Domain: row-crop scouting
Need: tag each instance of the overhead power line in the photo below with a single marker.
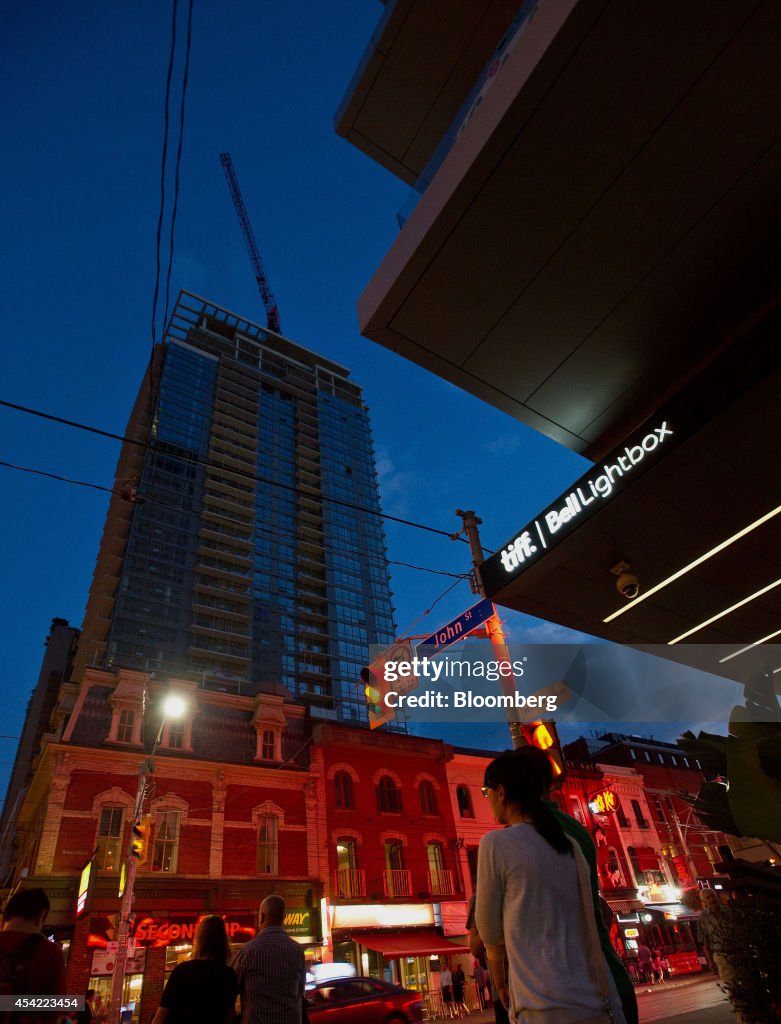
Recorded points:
(212, 465)
(156, 501)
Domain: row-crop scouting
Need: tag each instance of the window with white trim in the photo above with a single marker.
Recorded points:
(166, 841)
(268, 844)
(127, 719)
(267, 746)
(176, 731)
(109, 839)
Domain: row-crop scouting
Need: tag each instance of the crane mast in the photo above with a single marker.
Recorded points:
(272, 312)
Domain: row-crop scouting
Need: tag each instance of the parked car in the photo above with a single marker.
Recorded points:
(362, 1001)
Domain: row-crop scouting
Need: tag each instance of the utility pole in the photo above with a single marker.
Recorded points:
(173, 707)
(470, 523)
(126, 907)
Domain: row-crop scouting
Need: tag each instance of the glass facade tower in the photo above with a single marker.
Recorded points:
(243, 547)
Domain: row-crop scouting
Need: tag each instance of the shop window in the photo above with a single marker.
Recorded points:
(464, 800)
(577, 813)
(267, 746)
(428, 798)
(343, 791)
(125, 725)
(109, 839)
(268, 845)
(166, 841)
(388, 795)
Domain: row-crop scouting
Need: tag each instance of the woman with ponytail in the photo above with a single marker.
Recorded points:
(531, 908)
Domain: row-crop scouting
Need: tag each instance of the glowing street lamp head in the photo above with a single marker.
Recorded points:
(174, 706)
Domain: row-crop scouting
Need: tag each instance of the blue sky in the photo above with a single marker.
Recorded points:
(82, 128)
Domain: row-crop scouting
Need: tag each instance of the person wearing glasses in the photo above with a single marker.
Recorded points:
(531, 905)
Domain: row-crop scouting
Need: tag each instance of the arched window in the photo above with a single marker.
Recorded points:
(464, 801)
(394, 855)
(166, 846)
(388, 795)
(268, 844)
(349, 877)
(346, 854)
(428, 798)
(267, 745)
(639, 816)
(441, 880)
(343, 790)
(109, 839)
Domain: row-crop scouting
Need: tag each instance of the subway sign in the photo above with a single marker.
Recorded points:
(587, 495)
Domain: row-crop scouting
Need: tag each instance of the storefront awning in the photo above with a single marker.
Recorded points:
(677, 910)
(398, 942)
(626, 906)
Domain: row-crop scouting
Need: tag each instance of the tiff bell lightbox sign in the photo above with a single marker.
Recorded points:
(586, 496)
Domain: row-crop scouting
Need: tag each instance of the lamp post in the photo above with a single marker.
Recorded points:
(174, 707)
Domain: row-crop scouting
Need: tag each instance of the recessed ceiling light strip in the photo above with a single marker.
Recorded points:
(726, 611)
(743, 650)
(693, 565)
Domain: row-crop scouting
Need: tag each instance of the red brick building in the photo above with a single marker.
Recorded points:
(233, 814)
(395, 884)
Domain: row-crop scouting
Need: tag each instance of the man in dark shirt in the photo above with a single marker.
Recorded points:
(41, 965)
(270, 970)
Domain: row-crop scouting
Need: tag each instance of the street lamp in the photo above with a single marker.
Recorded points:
(174, 706)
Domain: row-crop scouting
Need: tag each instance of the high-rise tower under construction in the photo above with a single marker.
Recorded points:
(243, 546)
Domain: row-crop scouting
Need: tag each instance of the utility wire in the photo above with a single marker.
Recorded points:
(433, 604)
(184, 511)
(207, 464)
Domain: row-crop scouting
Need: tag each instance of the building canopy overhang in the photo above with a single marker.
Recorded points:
(607, 215)
(698, 521)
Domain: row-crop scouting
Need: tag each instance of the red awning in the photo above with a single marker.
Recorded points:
(647, 858)
(398, 942)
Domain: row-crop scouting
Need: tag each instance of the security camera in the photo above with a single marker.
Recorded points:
(627, 584)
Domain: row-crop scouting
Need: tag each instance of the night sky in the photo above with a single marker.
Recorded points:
(82, 127)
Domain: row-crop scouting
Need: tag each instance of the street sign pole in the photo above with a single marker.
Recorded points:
(493, 626)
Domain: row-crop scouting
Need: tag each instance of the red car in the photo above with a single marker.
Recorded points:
(362, 1001)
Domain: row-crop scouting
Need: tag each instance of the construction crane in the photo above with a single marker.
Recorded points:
(272, 312)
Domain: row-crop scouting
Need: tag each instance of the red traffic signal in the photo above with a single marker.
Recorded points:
(543, 735)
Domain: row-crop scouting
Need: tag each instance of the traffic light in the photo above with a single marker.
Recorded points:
(375, 688)
(140, 841)
(543, 735)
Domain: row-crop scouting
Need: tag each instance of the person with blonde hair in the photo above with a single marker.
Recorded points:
(203, 989)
